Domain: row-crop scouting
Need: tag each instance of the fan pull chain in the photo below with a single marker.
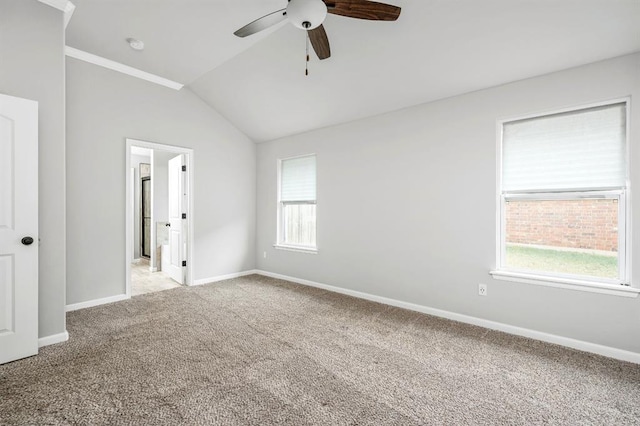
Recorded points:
(306, 68)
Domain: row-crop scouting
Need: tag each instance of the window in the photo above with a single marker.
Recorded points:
(297, 203)
(563, 191)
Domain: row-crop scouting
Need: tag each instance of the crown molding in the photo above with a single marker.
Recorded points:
(68, 13)
(117, 66)
(57, 4)
(63, 5)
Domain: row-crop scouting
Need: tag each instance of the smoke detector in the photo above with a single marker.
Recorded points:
(135, 44)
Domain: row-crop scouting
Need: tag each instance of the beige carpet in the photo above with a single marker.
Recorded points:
(258, 351)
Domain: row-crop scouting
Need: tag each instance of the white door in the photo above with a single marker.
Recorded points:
(177, 218)
(18, 228)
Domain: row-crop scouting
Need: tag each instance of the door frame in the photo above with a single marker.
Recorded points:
(189, 161)
(142, 205)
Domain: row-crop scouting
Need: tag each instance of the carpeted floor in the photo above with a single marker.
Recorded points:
(259, 351)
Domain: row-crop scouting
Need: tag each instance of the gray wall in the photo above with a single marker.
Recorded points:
(32, 67)
(161, 184)
(103, 109)
(407, 207)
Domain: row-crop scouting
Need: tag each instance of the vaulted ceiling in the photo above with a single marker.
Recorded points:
(436, 49)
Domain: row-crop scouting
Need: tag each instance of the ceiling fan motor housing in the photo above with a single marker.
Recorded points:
(306, 14)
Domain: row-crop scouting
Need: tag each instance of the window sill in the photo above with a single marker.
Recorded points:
(308, 250)
(565, 283)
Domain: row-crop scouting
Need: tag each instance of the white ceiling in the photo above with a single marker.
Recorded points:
(183, 38)
(437, 48)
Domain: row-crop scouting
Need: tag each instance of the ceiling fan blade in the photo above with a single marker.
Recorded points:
(363, 9)
(262, 23)
(320, 42)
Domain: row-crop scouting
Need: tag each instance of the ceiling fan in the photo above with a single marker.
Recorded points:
(310, 14)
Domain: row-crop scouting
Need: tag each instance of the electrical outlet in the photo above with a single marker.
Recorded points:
(482, 289)
(264, 254)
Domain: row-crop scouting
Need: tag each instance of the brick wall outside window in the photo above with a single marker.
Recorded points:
(585, 224)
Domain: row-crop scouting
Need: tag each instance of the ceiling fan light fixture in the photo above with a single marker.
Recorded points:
(306, 14)
(309, 15)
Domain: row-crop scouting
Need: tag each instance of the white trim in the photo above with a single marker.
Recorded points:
(68, 13)
(299, 249)
(129, 220)
(56, 4)
(189, 161)
(279, 218)
(628, 220)
(570, 108)
(53, 339)
(500, 204)
(202, 281)
(581, 345)
(63, 5)
(624, 268)
(96, 302)
(564, 195)
(566, 283)
(117, 66)
(153, 261)
(132, 218)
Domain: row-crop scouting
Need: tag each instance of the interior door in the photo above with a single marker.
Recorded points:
(177, 218)
(18, 228)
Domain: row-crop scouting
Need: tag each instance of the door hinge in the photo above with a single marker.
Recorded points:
(184, 168)
(184, 215)
(184, 263)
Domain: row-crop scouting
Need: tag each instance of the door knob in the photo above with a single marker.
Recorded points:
(27, 241)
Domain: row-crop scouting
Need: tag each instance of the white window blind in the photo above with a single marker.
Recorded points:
(298, 179)
(569, 151)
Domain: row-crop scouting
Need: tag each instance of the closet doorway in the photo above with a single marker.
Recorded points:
(159, 209)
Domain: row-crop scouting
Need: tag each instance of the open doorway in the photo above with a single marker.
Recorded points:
(144, 215)
(159, 243)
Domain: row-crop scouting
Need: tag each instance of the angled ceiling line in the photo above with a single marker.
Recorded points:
(64, 5)
(119, 67)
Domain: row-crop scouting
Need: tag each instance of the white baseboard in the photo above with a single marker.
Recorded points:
(53, 339)
(119, 297)
(153, 269)
(224, 277)
(581, 345)
(95, 302)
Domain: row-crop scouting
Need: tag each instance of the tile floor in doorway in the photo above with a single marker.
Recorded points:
(144, 281)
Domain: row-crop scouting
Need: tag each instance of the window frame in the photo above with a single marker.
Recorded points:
(614, 194)
(280, 226)
(619, 286)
